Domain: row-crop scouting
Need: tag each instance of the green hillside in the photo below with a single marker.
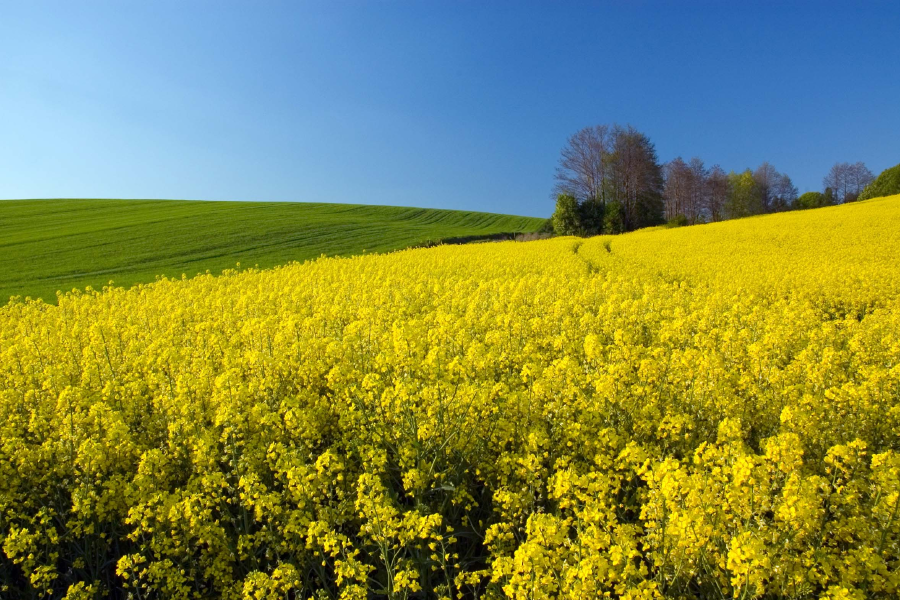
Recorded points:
(50, 245)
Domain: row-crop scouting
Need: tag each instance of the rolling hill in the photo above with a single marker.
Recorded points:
(585, 417)
(50, 245)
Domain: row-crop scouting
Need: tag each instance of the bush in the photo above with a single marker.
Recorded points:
(591, 214)
(566, 219)
(613, 219)
(887, 184)
(810, 200)
(677, 221)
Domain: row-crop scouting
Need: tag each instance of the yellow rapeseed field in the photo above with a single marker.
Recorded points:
(709, 412)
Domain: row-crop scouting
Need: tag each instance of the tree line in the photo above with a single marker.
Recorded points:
(609, 180)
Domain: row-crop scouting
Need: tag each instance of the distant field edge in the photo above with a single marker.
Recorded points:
(51, 244)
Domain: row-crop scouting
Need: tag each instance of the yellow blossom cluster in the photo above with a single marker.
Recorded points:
(705, 412)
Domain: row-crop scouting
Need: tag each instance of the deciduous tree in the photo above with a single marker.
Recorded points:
(766, 177)
(582, 170)
(784, 193)
(717, 189)
(675, 192)
(744, 197)
(685, 190)
(858, 177)
(848, 180)
(604, 164)
(637, 179)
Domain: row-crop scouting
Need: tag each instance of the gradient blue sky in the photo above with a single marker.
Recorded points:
(438, 104)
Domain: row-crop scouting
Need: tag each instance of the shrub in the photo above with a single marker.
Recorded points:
(810, 200)
(887, 184)
(613, 219)
(815, 199)
(677, 221)
(566, 220)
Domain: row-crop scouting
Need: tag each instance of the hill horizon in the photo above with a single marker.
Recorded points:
(71, 243)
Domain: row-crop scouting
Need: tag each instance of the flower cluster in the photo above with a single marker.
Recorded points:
(703, 412)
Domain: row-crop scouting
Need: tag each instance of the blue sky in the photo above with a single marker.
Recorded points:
(438, 104)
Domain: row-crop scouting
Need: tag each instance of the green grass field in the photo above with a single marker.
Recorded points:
(50, 245)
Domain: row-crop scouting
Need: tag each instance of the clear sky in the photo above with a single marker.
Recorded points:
(424, 103)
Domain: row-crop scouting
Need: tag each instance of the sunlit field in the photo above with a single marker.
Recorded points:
(709, 411)
(53, 245)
